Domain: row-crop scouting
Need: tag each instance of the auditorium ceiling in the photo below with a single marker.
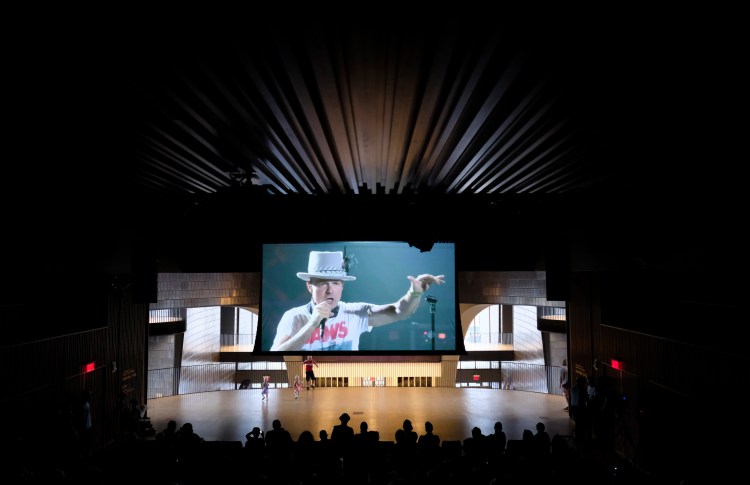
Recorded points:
(178, 109)
(356, 108)
(163, 114)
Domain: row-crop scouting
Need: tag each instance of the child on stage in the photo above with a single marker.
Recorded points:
(297, 387)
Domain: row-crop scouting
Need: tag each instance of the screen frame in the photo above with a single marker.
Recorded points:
(281, 289)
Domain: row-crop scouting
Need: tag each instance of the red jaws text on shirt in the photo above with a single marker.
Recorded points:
(332, 332)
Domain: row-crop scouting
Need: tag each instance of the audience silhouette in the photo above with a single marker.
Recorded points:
(475, 447)
(410, 435)
(579, 409)
(169, 435)
(542, 447)
(342, 436)
(496, 444)
(278, 447)
(255, 446)
(328, 463)
(182, 456)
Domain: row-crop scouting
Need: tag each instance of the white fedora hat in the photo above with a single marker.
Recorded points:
(327, 265)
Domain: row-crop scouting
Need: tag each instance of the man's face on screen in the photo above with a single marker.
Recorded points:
(326, 290)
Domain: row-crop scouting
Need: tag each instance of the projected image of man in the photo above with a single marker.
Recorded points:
(326, 323)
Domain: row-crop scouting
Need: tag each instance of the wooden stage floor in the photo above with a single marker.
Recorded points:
(229, 415)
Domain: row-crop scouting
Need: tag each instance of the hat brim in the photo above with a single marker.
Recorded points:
(307, 276)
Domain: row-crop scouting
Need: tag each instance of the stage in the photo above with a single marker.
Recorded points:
(229, 415)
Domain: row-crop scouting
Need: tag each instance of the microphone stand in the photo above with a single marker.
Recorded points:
(432, 301)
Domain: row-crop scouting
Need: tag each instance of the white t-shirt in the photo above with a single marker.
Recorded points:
(342, 330)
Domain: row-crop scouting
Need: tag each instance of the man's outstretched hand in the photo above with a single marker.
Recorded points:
(422, 283)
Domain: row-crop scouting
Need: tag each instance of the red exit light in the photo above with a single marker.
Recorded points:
(89, 367)
(617, 364)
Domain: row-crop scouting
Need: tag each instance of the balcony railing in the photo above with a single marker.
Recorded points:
(234, 376)
(241, 342)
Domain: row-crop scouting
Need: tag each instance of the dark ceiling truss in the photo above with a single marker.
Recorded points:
(355, 112)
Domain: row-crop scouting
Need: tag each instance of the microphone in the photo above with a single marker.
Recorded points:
(334, 312)
(432, 301)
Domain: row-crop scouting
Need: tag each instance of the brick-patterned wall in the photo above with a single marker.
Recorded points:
(191, 290)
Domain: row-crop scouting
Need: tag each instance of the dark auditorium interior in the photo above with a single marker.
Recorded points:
(598, 149)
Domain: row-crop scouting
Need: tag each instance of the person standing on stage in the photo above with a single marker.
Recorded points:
(309, 372)
(265, 386)
(565, 384)
(297, 387)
